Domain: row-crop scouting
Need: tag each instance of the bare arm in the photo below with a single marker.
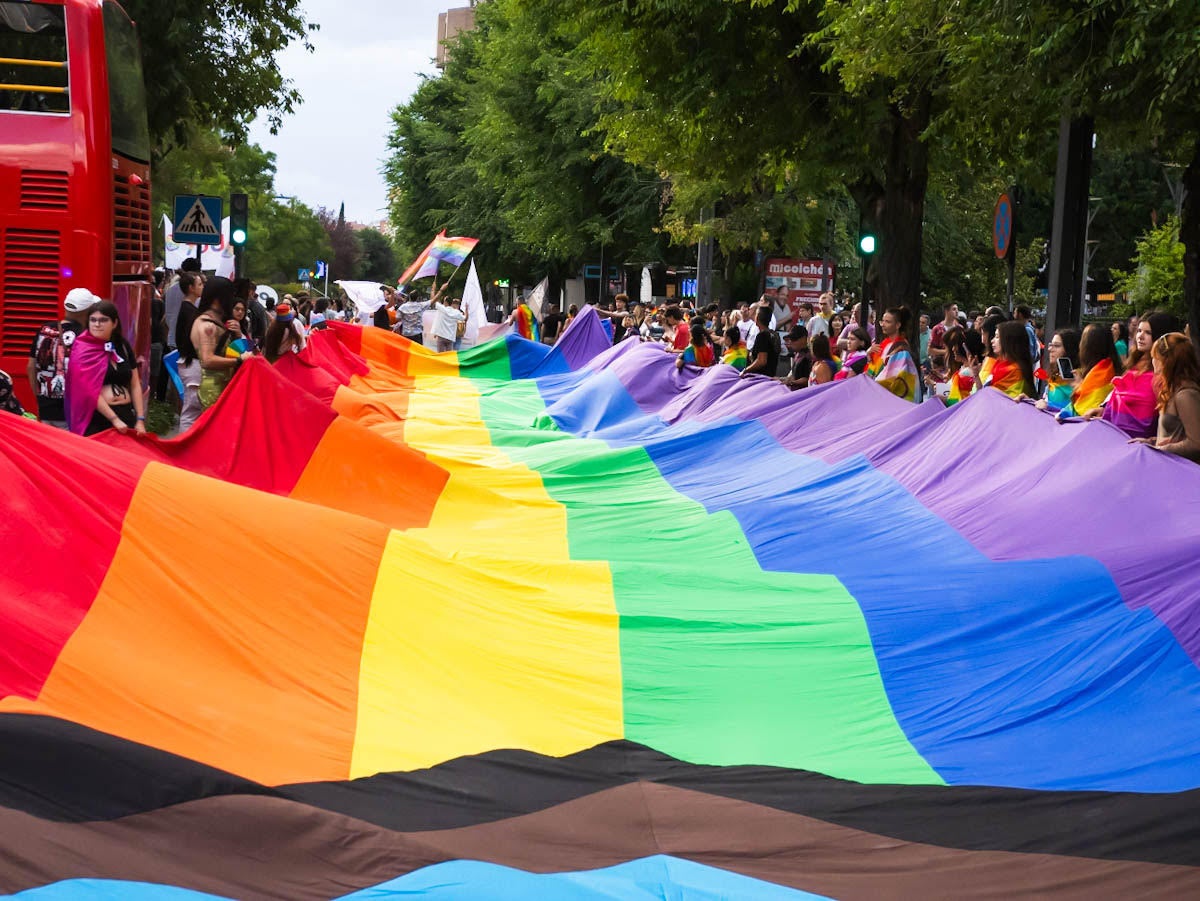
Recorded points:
(757, 365)
(31, 373)
(206, 349)
(1187, 408)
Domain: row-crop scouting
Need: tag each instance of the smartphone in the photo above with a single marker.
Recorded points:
(1066, 372)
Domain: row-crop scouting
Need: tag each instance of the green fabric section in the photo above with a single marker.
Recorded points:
(722, 663)
(486, 361)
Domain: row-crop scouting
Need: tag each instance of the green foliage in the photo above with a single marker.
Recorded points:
(216, 65)
(346, 259)
(378, 257)
(1156, 281)
(283, 237)
(503, 146)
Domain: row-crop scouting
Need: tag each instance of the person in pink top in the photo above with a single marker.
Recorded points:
(1133, 405)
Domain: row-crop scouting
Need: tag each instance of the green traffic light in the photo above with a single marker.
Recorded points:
(238, 236)
(866, 244)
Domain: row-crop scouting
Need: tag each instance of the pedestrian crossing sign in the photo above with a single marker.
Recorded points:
(197, 219)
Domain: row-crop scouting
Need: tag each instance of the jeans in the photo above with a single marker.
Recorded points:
(192, 407)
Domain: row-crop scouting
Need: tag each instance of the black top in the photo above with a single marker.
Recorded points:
(183, 332)
(381, 318)
(551, 325)
(802, 366)
(119, 375)
(158, 321)
(767, 342)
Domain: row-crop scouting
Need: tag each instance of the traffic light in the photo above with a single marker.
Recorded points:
(866, 243)
(239, 219)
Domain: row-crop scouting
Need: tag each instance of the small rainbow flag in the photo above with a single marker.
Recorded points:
(414, 271)
(452, 250)
(442, 249)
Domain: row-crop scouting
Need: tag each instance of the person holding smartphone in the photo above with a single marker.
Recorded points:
(1059, 375)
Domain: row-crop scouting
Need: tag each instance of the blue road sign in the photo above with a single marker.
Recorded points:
(197, 219)
(303, 275)
(321, 269)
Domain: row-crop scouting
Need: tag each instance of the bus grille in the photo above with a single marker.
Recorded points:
(43, 190)
(131, 223)
(30, 280)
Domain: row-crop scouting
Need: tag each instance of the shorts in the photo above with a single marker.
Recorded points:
(124, 412)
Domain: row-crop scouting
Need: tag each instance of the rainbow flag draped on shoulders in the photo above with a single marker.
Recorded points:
(738, 357)
(1058, 393)
(962, 386)
(527, 324)
(1092, 391)
(468, 681)
(894, 369)
(1004, 375)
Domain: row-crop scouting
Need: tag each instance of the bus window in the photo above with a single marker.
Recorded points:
(33, 58)
(126, 86)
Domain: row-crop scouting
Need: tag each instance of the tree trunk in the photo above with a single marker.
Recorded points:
(895, 212)
(901, 220)
(1189, 236)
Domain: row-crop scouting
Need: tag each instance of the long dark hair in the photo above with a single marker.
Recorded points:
(109, 309)
(1070, 342)
(1097, 344)
(821, 349)
(1014, 347)
(277, 331)
(989, 327)
(219, 293)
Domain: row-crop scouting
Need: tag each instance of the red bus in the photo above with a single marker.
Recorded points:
(74, 171)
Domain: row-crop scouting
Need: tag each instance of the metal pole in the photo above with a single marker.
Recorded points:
(826, 281)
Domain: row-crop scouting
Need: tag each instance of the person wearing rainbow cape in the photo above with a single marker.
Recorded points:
(1063, 346)
(526, 323)
(891, 363)
(1098, 366)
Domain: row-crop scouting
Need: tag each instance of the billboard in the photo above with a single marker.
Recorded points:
(802, 280)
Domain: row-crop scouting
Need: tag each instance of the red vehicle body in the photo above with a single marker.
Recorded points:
(74, 171)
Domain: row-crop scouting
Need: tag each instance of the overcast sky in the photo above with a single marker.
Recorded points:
(369, 57)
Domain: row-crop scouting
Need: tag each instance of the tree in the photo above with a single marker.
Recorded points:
(283, 237)
(1128, 64)
(503, 146)
(216, 65)
(378, 257)
(346, 261)
(1156, 281)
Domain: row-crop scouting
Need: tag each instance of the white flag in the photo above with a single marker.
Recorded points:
(221, 257)
(647, 292)
(472, 305)
(217, 258)
(537, 298)
(175, 253)
(367, 296)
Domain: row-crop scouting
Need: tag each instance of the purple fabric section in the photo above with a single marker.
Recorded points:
(583, 339)
(85, 380)
(1010, 479)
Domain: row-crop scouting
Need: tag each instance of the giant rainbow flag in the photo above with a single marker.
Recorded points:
(533, 623)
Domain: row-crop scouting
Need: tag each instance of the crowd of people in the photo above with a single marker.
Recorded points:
(1142, 376)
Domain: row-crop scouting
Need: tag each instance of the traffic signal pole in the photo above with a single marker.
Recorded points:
(239, 229)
